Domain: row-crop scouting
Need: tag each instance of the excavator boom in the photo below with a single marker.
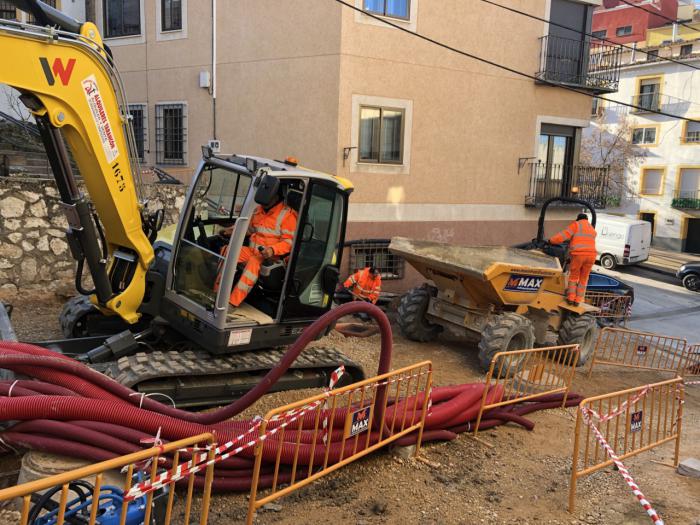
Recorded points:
(69, 84)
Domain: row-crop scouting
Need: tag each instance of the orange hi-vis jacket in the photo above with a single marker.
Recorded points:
(273, 228)
(581, 236)
(363, 284)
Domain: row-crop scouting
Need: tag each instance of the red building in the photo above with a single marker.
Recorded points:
(623, 23)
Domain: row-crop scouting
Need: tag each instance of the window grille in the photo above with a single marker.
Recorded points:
(171, 134)
(375, 252)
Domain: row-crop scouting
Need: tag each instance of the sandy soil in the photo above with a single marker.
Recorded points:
(523, 479)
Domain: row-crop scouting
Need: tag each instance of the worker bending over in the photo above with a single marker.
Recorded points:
(271, 232)
(365, 284)
(581, 236)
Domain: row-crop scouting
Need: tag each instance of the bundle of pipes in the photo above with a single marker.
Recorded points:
(70, 409)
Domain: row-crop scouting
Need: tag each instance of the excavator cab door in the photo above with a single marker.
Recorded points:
(314, 267)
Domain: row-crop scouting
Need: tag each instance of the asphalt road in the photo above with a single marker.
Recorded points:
(661, 303)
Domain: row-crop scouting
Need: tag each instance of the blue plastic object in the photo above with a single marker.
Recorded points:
(108, 513)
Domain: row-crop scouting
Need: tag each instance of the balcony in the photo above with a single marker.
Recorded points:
(558, 180)
(651, 102)
(583, 64)
(686, 200)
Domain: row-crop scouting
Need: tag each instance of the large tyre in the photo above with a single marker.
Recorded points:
(692, 282)
(411, 318)
(74, 314)
(505, 333)
(609, 262)
(579, 330)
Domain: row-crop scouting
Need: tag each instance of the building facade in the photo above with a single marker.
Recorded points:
(439, 146)
(664, 186)
(624, 24)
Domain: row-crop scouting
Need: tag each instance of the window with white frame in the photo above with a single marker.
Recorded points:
(644, 136)
(600, 34)
(171, 15)
(171, 133)
(139, 125)
(381, 135)
(689, 186)
(122, 18)
(692, 132)
(624, 31)
(392, 8)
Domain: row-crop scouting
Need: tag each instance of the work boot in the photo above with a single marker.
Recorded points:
(571, 302)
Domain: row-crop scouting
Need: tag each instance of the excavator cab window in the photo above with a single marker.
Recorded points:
(217, 201)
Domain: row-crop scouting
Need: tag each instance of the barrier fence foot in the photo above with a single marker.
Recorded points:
(482, 441)
(663, 463)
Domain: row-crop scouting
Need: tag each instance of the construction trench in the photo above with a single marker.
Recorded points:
(64, 407)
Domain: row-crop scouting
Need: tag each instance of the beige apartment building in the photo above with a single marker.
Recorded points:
(439, 146)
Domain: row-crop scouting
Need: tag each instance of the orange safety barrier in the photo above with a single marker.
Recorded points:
(529, 374)
(692, 363)
(614, 309)
(631, 421)
(89, 514)
(366, 427)
(633, 349)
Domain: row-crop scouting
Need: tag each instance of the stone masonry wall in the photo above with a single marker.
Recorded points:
(34, 254)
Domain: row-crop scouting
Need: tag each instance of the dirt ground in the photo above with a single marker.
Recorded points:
(523, 479)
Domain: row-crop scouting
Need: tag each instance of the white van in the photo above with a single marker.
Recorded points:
(621, 240)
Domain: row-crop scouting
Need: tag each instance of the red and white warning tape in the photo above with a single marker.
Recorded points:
(621, 467)
(199, 462)
(619, 410)
(335, 377)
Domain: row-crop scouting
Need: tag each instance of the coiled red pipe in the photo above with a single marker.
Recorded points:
(76, 411)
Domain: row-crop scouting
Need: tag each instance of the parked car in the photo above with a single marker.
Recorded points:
(689, 273)
(622, 241)
(598, 282)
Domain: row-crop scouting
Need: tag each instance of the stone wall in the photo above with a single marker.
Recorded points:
(34, 254)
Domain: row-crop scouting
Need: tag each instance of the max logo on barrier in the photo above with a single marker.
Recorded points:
(636, 421)
(358, 422)
(63, 72)
(523, 283)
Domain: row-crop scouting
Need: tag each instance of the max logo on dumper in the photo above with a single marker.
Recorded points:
(523, 283)
(57, 69)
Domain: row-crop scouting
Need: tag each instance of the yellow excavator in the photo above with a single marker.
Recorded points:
(190, 344)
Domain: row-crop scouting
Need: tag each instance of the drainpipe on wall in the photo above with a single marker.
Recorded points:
(675, 32)
(213, 65)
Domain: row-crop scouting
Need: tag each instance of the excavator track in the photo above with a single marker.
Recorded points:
(196, 378)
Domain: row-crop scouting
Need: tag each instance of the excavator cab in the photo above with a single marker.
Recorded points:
(291, 291)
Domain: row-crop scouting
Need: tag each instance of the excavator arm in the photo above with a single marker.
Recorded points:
(67, 80)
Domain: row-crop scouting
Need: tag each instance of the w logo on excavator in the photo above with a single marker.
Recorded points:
(57, 70)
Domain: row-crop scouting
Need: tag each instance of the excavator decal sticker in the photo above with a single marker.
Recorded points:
(57, 70)
(99, 115)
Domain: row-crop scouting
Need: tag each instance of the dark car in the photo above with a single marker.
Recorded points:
(689, 273)
(598, 282)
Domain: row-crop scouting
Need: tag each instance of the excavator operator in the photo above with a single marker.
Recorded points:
(582, 252)
(271, 234)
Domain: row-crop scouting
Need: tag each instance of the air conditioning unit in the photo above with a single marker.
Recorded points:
(215, 146)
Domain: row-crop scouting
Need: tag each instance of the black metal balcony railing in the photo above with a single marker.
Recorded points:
(686, 200)
(650, 102)
(559, 180)
(580, 63)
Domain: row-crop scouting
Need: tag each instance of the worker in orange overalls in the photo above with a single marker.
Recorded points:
(365, 284)
(581, 236)
(271, 232)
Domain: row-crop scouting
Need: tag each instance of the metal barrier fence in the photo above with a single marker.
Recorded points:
(632, 349)
(351, 421)
(529, 374)
(110, 500)
(630, 422)
(692, 363)
(615, 309)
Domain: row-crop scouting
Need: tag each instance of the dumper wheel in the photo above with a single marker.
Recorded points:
(505, 333)
(411, 318)
(579, 330)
